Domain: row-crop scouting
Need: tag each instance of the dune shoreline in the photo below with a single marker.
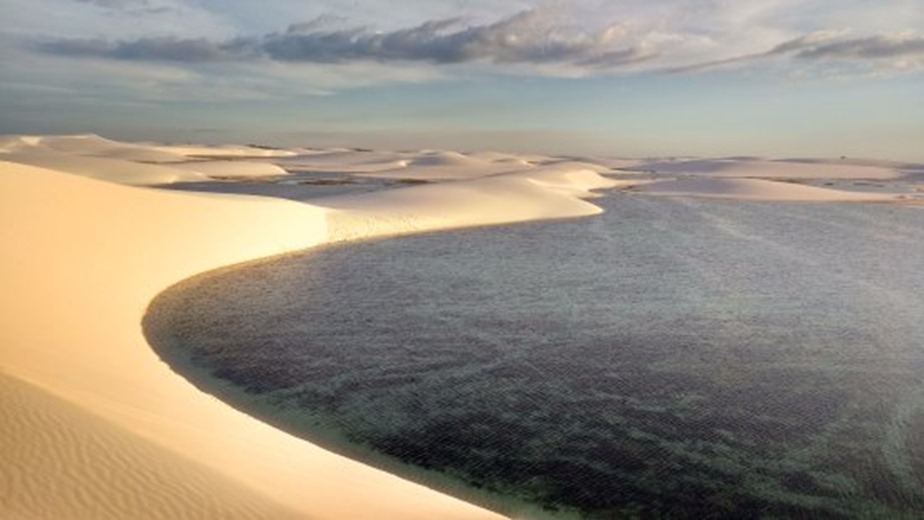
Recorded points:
(87, 247)
(89, 257)
(158, 330)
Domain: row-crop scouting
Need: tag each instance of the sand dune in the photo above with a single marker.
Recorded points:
(443, 173)
(221, 151)
(542, 193)
(61, 461)
(501, 157)
(87, 144)
(233, 169)
(83, 257)
(857, 161)
(768, 169)
(578, 165)
(423, 165)
(81, 260)
(756, 189)
(444, 165)
(345, 160)
(99, 158)
(111, 169)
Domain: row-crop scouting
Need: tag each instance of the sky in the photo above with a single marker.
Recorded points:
(777, 78)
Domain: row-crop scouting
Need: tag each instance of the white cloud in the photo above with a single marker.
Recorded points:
(24, 19)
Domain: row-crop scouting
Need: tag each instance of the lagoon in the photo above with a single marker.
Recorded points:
(671, 357)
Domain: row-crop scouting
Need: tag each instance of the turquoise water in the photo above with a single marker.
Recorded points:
(669, 358)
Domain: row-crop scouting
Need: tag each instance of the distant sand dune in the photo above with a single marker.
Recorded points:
(757, 189)
(541, 193)
(232, 169)
(112, 169)
(768, 169)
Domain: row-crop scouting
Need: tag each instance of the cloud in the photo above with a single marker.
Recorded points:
(801, 43)
(149, 49)
(315, 24)
(904, 50)
(116, 4)
(538, 40)
(870, 48)
(529, 37)
(138, 8)
(109, 4)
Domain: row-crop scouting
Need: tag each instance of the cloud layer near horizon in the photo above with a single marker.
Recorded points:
(528, 37)
(531, 37)
(757, 75)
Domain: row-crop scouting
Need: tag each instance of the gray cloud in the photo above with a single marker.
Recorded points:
(315, 24)
(149, 49)
(530, 37)
(133, 7)
(533, 37)
(115, 4)
(826, 45)
(870, 48)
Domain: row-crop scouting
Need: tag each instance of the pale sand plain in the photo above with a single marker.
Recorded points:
(94, 425)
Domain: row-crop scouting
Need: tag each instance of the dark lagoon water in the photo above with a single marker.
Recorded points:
(671, 358)
(296, 185)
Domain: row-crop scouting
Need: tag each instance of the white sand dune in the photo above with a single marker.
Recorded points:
(81, 260)
(542, 193)
(88, 145)
(532, 158)
(84, 144)
(99, 158)
(578, 165)
(221, 151)
(443, 166)
(13, 143)
(447, 158)
(615, 163)
(768, 169)
(856, 161)
(62, 461)
(756, 189)
(106, 168)
(501, 157)
(345, 162)
(423, 165)
(233, 169)
(83, 257)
